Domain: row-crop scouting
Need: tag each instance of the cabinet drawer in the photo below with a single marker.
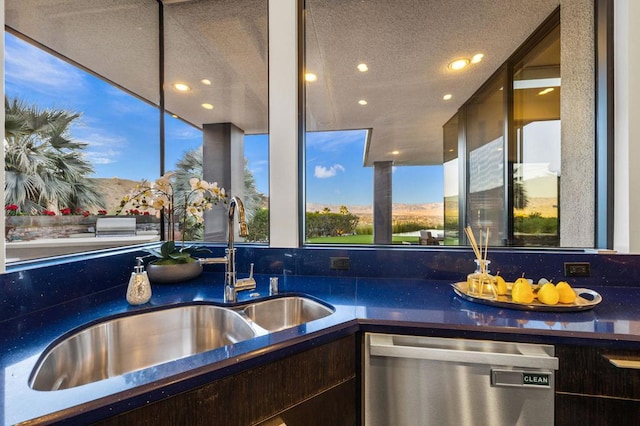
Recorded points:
(590, 371)
(574, 410)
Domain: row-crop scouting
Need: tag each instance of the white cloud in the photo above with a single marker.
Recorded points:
(186, 133)
(258, 166)
(96, 137)
(99, 158)
(29, 65)
(322, 172)
(333, 141)
(102, 148)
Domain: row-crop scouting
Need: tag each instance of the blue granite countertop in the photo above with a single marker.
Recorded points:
(371, 304)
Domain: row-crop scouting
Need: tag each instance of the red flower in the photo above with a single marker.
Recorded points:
(66, 211)
(11, 210)
(102, 212)
(85, 213)
(48, 212)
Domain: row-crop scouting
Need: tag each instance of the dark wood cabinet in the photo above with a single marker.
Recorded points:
(332, 407)
(316, 386)
(591, 390)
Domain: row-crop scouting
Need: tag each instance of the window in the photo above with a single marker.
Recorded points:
(449, 146)
(339, 189)
(54, 199)
(101, 60)
(537, 144)
(375, 69)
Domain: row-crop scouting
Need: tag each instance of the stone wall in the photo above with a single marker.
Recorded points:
(26, 228)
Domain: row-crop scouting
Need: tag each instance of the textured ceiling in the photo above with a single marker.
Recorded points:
(406, 44)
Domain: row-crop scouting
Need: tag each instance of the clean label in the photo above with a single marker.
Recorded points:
(535, 379)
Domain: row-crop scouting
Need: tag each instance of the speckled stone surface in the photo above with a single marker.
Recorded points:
(385, 290)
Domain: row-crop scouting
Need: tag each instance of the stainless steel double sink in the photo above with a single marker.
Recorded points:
(128, 343)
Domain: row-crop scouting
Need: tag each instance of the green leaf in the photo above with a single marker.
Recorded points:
(167, 248)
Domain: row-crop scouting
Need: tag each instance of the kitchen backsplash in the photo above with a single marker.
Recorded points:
(37, 285)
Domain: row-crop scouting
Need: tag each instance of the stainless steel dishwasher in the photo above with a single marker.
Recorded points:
(411, 380)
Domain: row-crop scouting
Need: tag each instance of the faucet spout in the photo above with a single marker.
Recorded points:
(234, 203)
(232, 284)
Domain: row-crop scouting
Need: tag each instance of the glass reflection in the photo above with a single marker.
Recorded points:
(536, 158)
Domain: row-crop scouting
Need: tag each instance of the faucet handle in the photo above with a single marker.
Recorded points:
(246, 283)
(251, 270)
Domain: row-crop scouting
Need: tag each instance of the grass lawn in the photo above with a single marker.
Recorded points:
(359, 239)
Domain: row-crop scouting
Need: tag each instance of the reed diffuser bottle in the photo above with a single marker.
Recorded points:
(481, 282)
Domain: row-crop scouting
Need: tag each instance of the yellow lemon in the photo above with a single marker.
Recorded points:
(522, 292)
(548, 294)
(501, 285)
(567, 294)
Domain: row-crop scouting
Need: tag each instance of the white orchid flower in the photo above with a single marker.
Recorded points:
(194, 182)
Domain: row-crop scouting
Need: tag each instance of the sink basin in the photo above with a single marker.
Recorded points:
(125, 344)
(284, 312)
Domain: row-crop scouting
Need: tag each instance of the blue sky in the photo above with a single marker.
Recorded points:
(335, 174)
(122, 133)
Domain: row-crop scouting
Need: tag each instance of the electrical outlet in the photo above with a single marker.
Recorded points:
(339, 263)
(577, 269)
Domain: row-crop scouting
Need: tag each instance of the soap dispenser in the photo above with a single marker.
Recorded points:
(139, 290)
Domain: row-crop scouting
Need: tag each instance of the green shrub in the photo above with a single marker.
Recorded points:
(258, 226)
(330, 224)
(364, 230)
(535, 223)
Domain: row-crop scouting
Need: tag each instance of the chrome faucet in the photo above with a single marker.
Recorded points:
(231, 282)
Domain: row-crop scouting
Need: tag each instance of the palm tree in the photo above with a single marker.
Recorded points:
(190, 165)
(44, 168)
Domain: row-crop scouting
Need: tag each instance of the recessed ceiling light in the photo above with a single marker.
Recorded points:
(447, 96)
(545, 91)
(477, 58)
(207, 106)
(206, 82)
(458, 64)
(395, 152)
(363, 67)
(362, 102)
(310, 77)
(181, 87)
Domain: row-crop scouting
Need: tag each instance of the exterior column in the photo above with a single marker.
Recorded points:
(223, 162)
(577, 112)
(382, 202)
(286, 208)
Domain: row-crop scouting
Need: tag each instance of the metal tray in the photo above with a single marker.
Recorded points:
(580, 304)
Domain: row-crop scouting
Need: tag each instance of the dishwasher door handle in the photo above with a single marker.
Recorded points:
(383, 345)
